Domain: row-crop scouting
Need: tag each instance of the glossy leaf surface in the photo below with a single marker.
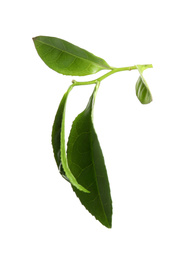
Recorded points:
(58, 142)
(66, 58)
(142, 90)
(86, 163)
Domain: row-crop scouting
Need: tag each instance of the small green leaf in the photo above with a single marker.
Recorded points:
(142, 90)
(58, 143)
(86, 162)
(66, 58)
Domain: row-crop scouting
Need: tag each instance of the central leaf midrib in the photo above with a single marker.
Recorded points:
(101, 66)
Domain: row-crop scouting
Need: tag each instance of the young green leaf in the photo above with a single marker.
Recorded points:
(58, 142)
(66, 58)
(86, 162)
(142, 90)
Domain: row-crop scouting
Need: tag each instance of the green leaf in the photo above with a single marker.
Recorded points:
(142, 90)
(66, 58)
(58, 143)
(56, 133)
(86, 162)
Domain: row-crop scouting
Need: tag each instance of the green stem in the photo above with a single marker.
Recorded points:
(115, 70)
(64, 159)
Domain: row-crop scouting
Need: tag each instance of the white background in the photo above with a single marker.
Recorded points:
(146, 148)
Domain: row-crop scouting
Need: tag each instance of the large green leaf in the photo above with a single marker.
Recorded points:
(58, 143)
(142, 90)
(86, 162)
(66, 58)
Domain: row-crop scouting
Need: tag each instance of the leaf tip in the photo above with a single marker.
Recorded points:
(109, 226)
(34, 38)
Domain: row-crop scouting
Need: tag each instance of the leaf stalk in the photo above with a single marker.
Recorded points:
(113, 71)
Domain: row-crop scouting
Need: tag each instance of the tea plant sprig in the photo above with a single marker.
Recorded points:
(82, 164)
